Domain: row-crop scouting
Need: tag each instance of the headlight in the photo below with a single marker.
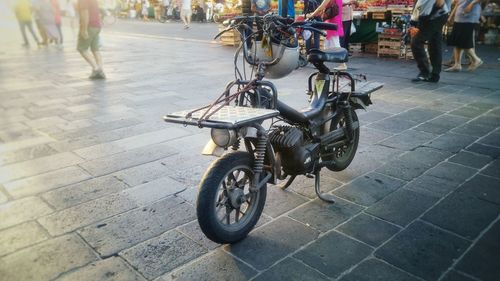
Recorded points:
(223, 137)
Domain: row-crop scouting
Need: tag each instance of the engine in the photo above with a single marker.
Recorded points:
(297, 154)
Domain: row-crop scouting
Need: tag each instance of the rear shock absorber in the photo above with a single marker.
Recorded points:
(346, 108)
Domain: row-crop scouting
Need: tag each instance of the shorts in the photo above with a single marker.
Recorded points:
(92, 41)
(462, 35)
(186, 13)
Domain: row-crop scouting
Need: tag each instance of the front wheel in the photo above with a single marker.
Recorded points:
(227, 211)
(342, 154)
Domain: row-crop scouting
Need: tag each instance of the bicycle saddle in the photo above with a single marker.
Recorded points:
(338, 55)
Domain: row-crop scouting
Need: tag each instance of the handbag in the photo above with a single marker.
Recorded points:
(331, 11)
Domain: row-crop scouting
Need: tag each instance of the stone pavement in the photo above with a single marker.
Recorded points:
(94, 186)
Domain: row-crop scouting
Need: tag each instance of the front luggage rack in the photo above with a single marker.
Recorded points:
(220, 114)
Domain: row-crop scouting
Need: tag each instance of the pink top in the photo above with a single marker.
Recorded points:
(337, 20)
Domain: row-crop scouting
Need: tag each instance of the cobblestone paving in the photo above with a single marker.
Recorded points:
(94, 186)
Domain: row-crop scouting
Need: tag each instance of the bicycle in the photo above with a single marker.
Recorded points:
(279, 141)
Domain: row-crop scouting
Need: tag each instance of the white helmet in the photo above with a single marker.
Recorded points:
(288, 61)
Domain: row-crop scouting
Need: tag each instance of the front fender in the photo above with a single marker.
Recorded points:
(213, 149)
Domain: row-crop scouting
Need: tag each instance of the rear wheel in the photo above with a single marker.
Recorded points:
(342, 154)
(227, 211)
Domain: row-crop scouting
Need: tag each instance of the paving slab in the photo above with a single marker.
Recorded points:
(377, 270)
(402, 206)
(217, 265)
(112, 235)
(47, 260)
(481, 261)
(161, 254)
(442, 124)
(78, 216)
(291, 269)
(369, 189)
(266, 245)
(469, 209)
(116, 162)
(470, 159)
(423, 250)
(408, 140)
(491, 151)
(46, 182)
(111, 269)
(493, 169)
(25, 154)
(333, 254)
(378, 232)
(21, 236)
(22, 210)
(37, 166)
(454, 275)
(280, 201)
(84, 191)
(325, 216)
(155, 190)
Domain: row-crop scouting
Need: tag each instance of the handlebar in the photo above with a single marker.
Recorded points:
(274, 26)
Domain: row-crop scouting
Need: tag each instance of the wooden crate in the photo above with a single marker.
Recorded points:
(371, 48)
(355, 48)
(230, 38)
(389, 44)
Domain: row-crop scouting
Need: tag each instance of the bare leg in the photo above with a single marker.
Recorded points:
(98, 59)
(183, 18)
(22, 26)
(476, 61)
(86, 55)
(457, 60)
(30, 28)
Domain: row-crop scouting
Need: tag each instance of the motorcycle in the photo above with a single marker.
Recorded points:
(279, 142)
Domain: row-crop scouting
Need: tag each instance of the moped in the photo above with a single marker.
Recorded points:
(279, 142)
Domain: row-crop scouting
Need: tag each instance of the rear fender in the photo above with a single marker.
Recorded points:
(360, 101)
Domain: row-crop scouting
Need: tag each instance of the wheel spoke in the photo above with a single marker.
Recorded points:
(237, 215)
(243, 181)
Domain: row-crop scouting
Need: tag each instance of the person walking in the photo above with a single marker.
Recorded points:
(465, 17)
(57, 20)
(346, 23)
(22, 9)
(47, 19)
(332, 36)
(90, 28)
(427, 22)
(313, 41)
(186, 13)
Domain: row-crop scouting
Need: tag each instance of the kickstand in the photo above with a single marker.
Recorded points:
(287, 183)
(323, 196)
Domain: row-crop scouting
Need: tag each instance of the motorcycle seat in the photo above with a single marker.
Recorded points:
(338, 55)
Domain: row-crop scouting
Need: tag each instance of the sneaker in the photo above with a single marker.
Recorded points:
(97, 74)
(455, 68)
(473, 66)
(433, 78)
(420, 78)
(93, 75)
